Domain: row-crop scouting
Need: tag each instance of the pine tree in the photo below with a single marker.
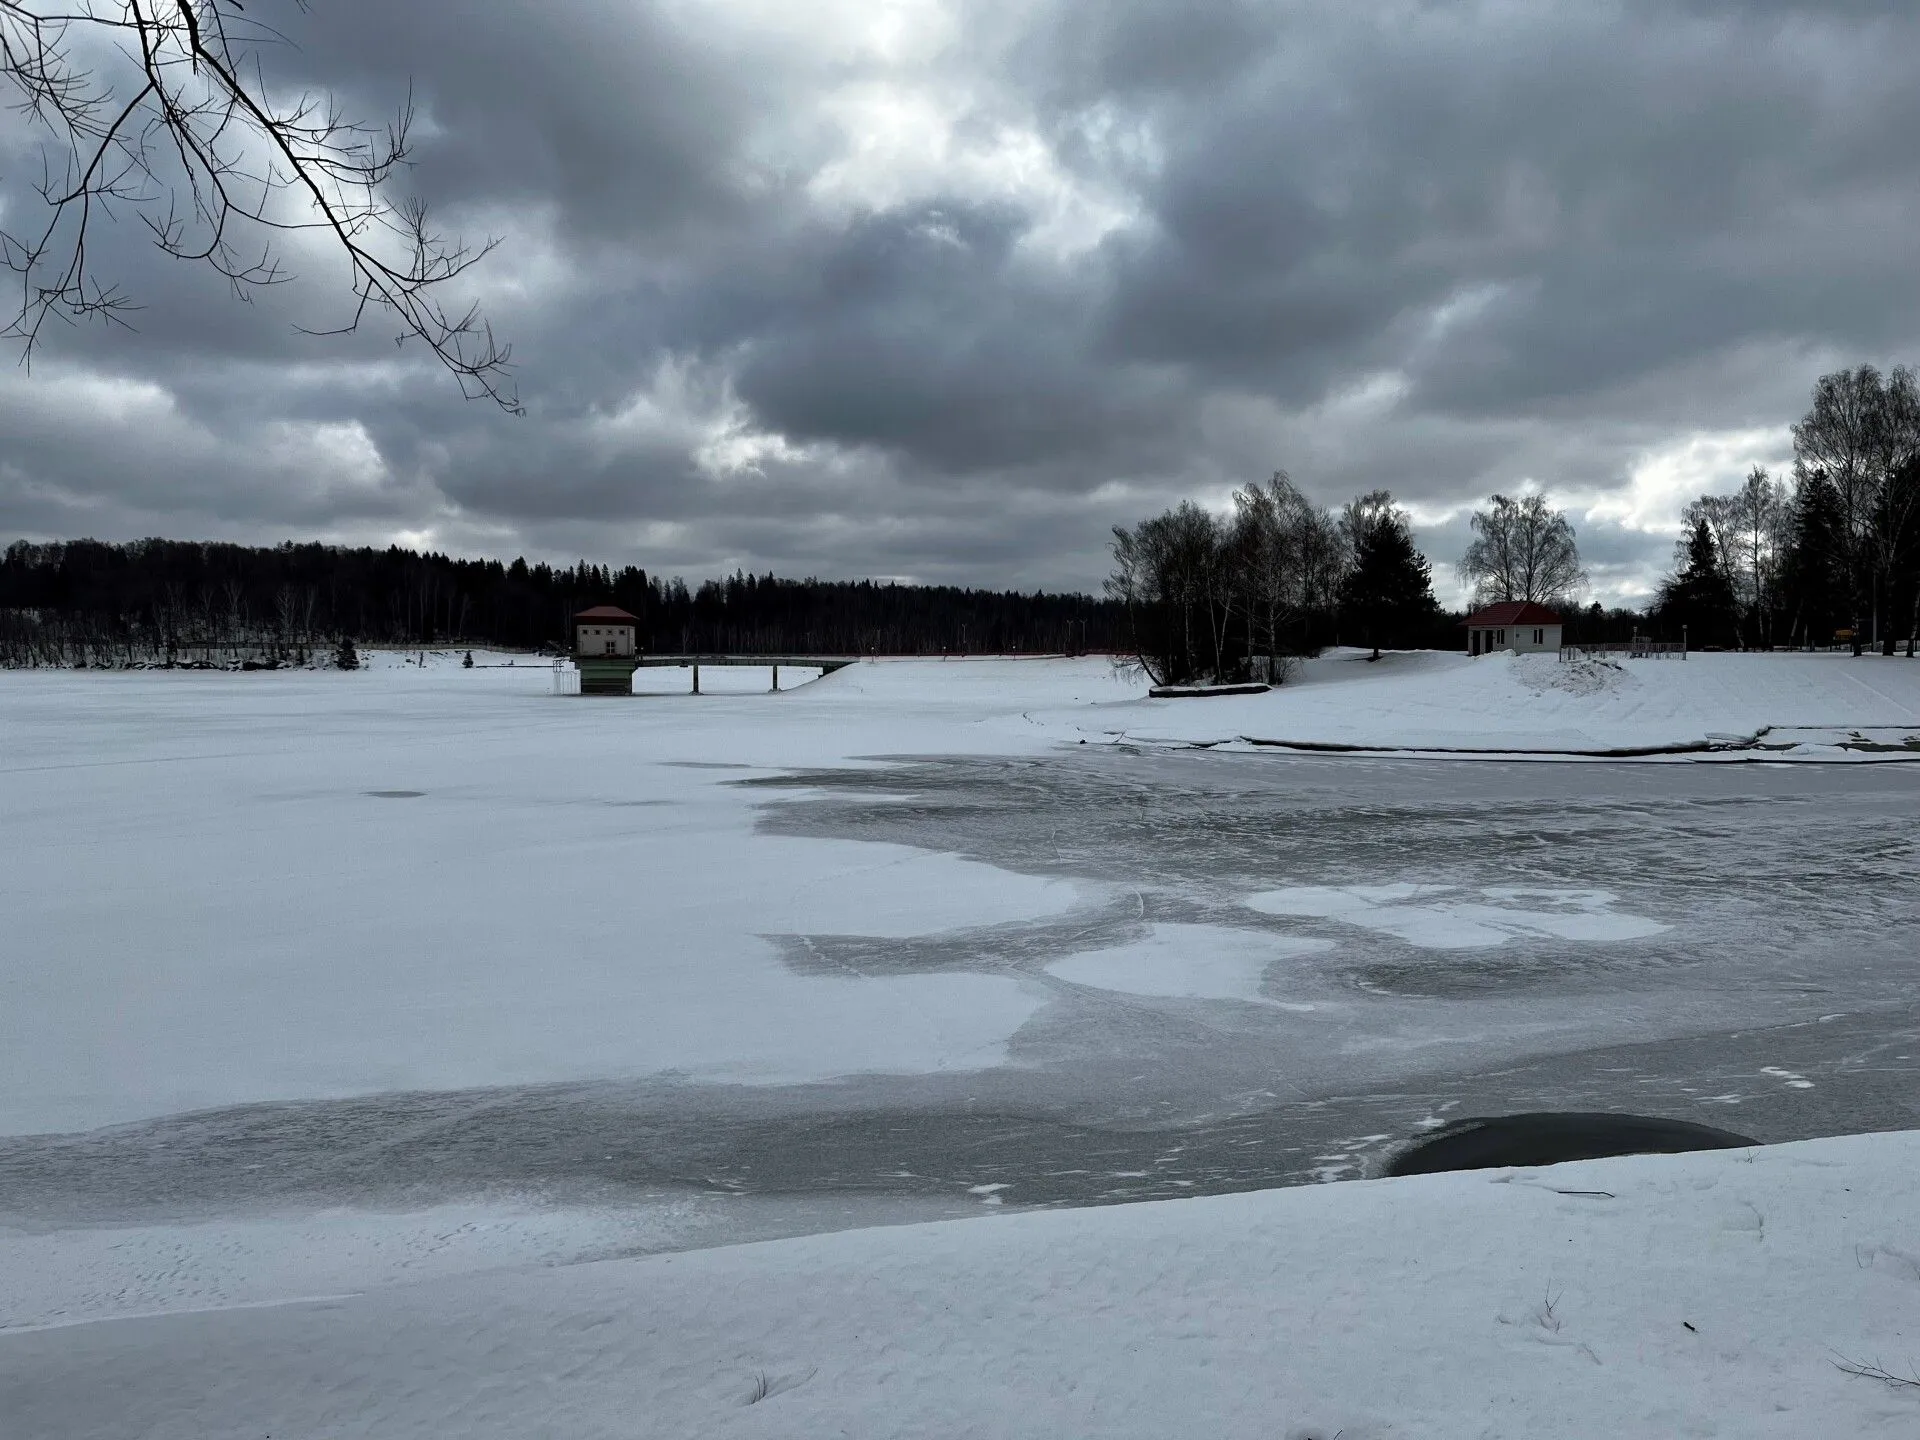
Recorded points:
(1389, 590)
(345, 657)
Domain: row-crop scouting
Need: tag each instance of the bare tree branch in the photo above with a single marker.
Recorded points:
(162, 108)
(1877, 1371)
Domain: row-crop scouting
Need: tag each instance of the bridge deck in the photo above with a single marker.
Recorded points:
(824, 663)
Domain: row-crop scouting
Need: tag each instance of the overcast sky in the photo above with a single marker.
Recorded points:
(943, 289)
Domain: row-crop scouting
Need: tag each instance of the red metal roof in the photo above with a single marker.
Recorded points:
(608, 614)
(1512, 612)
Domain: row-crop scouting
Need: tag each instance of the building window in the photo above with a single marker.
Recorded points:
(609, 647)
(1539, 637)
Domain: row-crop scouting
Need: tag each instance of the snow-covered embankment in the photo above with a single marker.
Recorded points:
(1714, 1294)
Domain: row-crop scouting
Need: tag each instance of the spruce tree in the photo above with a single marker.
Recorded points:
(1813, 578)
(1698, 597)
(1389, 590)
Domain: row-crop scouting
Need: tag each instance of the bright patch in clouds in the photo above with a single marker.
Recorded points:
(903, 144)
(337, 456)
(1664, 481)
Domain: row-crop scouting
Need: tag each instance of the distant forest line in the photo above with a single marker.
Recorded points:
(161, 602)
(193, 603)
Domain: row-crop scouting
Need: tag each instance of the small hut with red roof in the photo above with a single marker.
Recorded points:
(605, 650)
(1517, 625)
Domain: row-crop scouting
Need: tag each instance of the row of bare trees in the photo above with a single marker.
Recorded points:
(1222, 598)
(214, 627)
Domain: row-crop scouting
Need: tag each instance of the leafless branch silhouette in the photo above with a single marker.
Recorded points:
(161, 109)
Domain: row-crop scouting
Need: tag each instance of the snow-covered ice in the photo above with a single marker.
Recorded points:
(222, 891)
(1189, 962)
(1440, 917)
(427, 988)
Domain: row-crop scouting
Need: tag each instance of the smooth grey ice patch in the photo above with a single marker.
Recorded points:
(1190, 962)
(1451, 917)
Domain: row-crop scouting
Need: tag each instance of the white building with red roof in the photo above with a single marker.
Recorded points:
(605, 650)
(1517, 625)
(604, 630)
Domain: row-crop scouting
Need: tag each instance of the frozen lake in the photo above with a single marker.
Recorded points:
(445, 939)
(316, 982)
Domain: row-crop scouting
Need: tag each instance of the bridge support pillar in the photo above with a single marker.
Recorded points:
(776, 679)
(696, 677)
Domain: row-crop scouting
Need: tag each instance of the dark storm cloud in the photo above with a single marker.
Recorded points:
(920, 333)
(946, 291)
(1628, 195)
(631, 123)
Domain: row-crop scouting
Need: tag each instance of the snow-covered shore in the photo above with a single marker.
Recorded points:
(1800, 705)
(1700, 1295)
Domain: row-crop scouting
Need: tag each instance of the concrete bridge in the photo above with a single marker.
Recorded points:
(825, 664)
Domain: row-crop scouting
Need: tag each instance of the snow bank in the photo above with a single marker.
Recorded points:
(393, 657)
(1432, 701)
(1692, 1295)
(68, 1276)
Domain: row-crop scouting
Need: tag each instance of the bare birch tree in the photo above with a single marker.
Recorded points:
(1162, 574)
(1896, 502)
(1751, 550)
(1269, 550)
(1522, 551)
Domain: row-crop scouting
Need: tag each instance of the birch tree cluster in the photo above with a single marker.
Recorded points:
(1221, 598)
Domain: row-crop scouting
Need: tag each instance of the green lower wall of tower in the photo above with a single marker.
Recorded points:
(608, 676)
